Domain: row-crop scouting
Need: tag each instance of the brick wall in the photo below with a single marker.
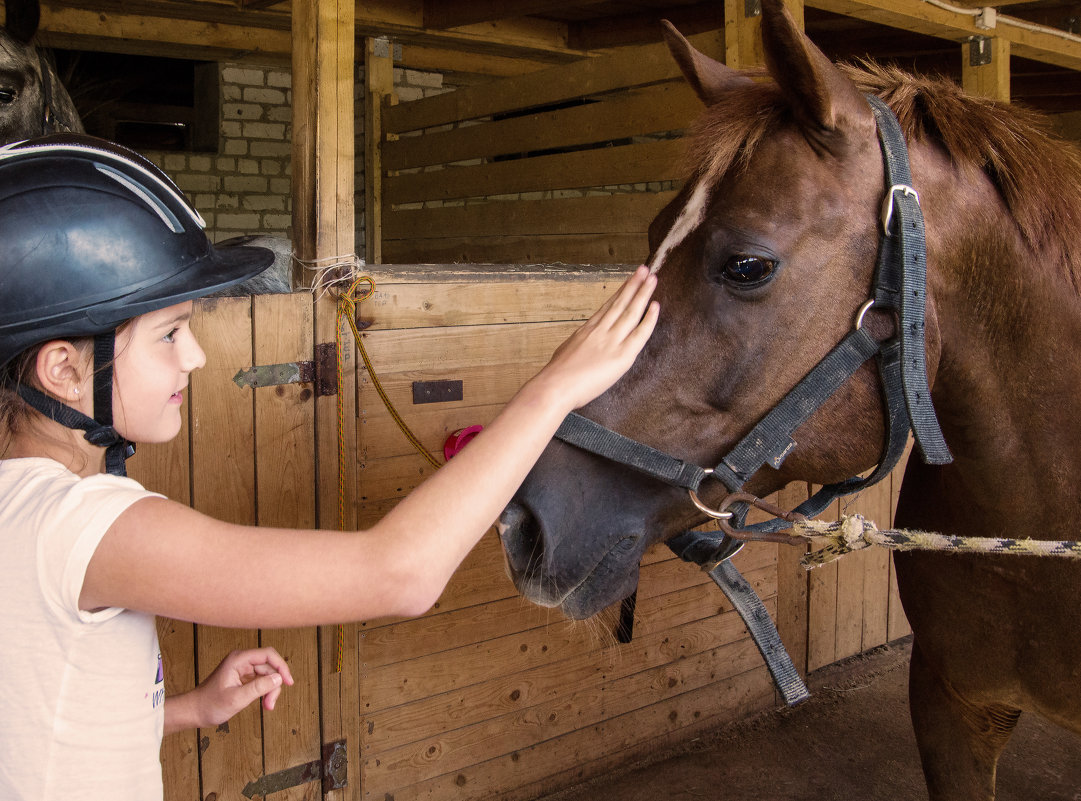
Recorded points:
(245, 187)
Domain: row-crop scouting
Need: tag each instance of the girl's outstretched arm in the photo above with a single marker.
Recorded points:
(165, 558)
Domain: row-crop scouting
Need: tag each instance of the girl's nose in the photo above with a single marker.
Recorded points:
(194, 357)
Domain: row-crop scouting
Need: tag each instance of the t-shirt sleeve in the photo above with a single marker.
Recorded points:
(75, 519)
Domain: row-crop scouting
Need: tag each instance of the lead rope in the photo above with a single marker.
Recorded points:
(854, 532)
(347, 309)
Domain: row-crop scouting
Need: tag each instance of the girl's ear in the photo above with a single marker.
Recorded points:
(64, 371)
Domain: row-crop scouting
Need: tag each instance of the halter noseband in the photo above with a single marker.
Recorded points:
(900, 286)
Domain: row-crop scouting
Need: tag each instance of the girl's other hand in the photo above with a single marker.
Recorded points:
(241, 678)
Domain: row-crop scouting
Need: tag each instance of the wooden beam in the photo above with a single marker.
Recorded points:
(985, 68)
(635, 29)
(378, 93)
(1051, 47)
(323, 58)
(445, 14)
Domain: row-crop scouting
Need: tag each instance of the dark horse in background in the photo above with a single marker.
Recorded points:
(764, 259)
(32, 99)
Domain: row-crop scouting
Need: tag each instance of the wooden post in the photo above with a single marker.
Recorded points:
(743, 31)
(985, 67)
(324, 234)
(378, 89)
(323, 131)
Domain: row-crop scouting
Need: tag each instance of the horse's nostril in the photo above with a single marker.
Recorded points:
(520, 533)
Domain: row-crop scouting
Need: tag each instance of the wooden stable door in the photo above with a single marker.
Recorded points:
(248, 454)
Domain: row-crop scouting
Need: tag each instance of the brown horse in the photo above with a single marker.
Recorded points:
(764, 260)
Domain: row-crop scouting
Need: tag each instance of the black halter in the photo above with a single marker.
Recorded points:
(899, 286)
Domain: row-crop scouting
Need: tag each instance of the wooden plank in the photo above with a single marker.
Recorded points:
(792, 591)
(738, 697)
(897, 623)
(580, 709)
(378, 94)
(451, 629)
(751, 690)
(435, 674)
(635, 66)
(458, 303)
(455, 13)
(285, 491)
(547, 681)
(670, 106)
(990, 79)
(624, 213)
(583, 249)
(626, 164)
(464, 346)
(875, 503)
(223, 485)
(822, 608)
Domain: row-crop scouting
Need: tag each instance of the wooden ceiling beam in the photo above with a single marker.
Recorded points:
(445, 14)
(957, 26)
(221, 31)
(644, 28)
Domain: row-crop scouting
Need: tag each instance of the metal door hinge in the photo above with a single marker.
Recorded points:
(321, 371)
(331, 770)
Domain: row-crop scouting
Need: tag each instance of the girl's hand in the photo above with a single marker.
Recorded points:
(242, 677)
(603, 349)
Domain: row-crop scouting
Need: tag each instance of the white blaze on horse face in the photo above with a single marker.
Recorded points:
(689, 218)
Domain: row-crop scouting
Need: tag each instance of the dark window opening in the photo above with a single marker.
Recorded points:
(145, 102)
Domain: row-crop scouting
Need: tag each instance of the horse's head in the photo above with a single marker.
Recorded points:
(32, 99)
(764, 259)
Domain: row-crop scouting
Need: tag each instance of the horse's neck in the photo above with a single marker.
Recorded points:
(1006, 384)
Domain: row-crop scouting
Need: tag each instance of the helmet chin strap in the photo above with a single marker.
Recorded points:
(99, 429)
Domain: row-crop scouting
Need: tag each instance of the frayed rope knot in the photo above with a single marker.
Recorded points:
(854, 532)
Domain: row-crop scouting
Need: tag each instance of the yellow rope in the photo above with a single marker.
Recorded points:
(347, 310)
(853, 532)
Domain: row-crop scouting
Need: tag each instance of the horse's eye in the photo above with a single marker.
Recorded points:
(7, 96)
(746, 271)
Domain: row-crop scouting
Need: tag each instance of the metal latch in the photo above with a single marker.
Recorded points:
(321, 371)
(331, 770)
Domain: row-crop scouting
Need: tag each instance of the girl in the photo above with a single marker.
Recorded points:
(102, 259)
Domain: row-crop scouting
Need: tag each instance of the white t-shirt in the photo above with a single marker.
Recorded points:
(81, 693)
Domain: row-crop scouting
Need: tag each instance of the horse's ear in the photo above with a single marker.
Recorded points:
(21, 19)
(710, 79)
(820, 94)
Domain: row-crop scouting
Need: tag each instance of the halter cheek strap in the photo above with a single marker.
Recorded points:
(99, 429)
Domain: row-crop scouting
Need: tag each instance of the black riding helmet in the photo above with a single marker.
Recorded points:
(93, 235)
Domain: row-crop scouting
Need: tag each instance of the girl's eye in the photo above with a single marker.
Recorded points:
(746, 271)
(170, 336)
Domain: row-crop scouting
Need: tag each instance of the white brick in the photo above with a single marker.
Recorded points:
(267, 97)
(236, 147)
(249, 77)
(242, 111)
(248, 221)
(264, 130)
(236, 183)
(282, 80)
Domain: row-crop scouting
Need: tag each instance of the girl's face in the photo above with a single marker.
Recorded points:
(154, 357)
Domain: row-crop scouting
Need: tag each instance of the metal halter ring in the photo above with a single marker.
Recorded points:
(714, 513)
(866, 307)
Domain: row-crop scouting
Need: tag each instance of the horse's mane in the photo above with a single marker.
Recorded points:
(1037, 174)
